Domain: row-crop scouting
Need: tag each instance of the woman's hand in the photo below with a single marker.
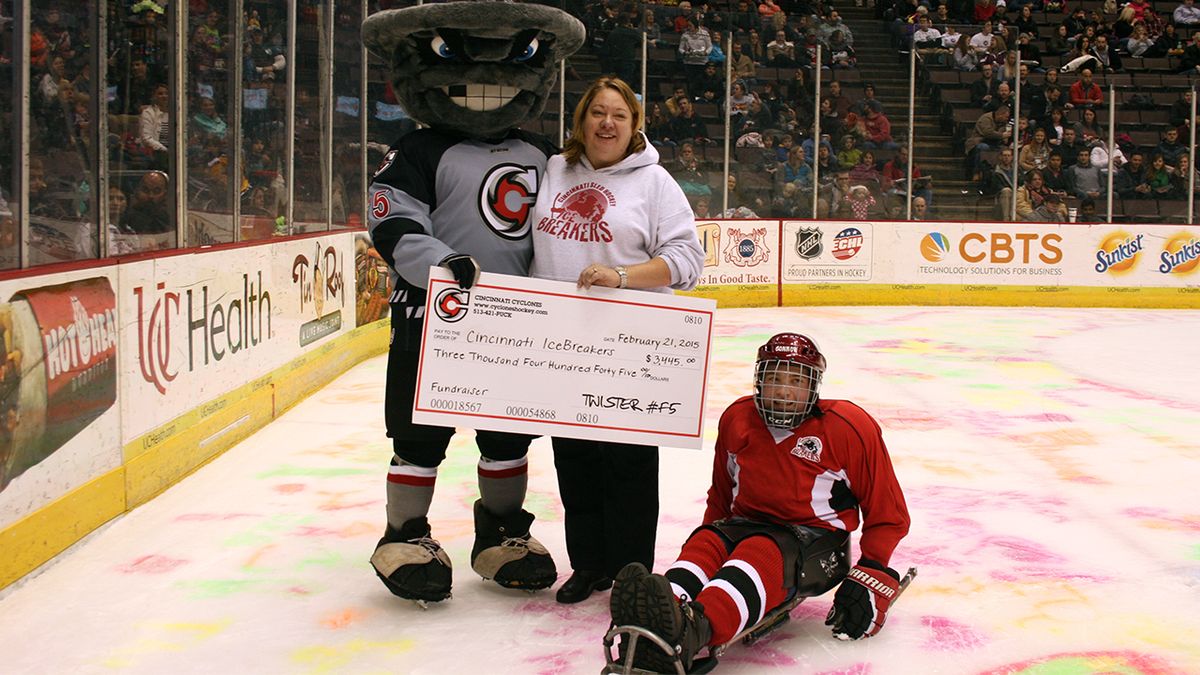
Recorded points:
(598, 275)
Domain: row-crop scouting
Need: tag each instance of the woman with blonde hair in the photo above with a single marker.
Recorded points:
(608, 215)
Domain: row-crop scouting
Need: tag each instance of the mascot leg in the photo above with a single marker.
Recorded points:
(504, 550)
(409, 561)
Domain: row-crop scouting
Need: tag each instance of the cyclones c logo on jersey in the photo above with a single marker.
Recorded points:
(506, 197)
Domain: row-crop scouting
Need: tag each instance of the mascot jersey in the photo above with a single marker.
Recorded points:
(819, 474)
(415, 223)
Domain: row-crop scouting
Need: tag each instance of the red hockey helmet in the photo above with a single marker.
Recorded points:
(787, 378)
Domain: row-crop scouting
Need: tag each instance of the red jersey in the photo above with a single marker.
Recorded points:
(820, 474)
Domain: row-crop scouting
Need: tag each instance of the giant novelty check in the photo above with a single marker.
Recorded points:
(542, 357)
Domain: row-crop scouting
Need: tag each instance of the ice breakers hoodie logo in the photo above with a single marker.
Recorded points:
(578, 214)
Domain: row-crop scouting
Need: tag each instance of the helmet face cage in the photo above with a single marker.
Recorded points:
(785, 391)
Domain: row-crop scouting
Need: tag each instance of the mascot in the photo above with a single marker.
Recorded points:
(458, 193)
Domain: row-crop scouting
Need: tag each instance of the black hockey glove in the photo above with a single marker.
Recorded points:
(464, 268)
(861, 603)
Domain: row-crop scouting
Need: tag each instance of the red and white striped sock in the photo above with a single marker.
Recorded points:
(748, 585)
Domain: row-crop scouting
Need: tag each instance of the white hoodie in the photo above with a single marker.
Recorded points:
(623, 214)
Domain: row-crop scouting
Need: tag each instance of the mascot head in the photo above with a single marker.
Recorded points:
(479, 68)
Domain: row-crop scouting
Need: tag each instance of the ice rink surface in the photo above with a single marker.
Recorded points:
(1049, 458)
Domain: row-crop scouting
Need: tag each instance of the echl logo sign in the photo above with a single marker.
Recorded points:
(506, 197)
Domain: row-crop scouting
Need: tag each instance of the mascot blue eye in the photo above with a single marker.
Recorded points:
(439, 47)
(529, 51)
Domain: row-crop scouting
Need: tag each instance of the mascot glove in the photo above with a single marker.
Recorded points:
(464, 268)
(861, 603)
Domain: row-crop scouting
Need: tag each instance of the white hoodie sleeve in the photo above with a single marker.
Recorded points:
(674, 237)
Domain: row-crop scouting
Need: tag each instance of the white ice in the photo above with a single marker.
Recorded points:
(1049, 459)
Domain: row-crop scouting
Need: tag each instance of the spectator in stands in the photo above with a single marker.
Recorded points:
(879, 130)
(866, 173)
(1099, 156)
(1087, 212)
(1080, 55)
(1170, 149)
(653, 30)
(927, 40)
(1025, 22)
(1028, 49)
(1054, 175)
(686, 171)
(963, 56)
(796, 170)
(1106, 55)
(672, 104)
(1003, 97)
(739, 99)
(1008, 69)
(841, 53)
(1070, 146)
(920, 208)
(860, 204)
(984, 10)
(833, 23)
(757, 119)
(147, 212)
(744, 19)
(1185, 178)
(687, 126)
(1088, 128)
(786, 203)
(1083, 179)
(1038, 203)
(895, 184)
(788, 119)
(983, 89)
(981, 42)
(739, 198)
(991, 130)
(768, 8)
(1181, 109)
(1052, 124)
(711, 85)
(781, 52)
(1130, 181)
(1162, 185)
(1036, 153)
(1000, 183)
(849, 155)
(868, 102)
(1059, 42)
(658, 126)
(153, 127)
(742, 66)
(700, 206)
(623, 48)
(756, 47)
(841, 103)
(1139, 43)
(1169, 43)
(1191, 55)
(694, 45)
(1085, 92)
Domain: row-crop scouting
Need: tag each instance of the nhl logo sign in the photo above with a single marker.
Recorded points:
(808, 243)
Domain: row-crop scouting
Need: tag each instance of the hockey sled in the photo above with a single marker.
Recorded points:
(705, 664)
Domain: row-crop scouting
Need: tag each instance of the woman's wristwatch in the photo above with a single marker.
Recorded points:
(621, 272)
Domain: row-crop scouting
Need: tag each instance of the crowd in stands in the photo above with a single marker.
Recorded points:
(1062, 52)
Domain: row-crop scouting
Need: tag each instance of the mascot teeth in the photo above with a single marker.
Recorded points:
(481, 96)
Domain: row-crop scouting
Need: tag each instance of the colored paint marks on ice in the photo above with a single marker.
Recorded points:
(151, 564)
(1088, 663)
(336, 658)
(947, 635)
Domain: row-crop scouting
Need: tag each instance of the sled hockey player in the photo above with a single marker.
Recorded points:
(458, 194)
(792, 473)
